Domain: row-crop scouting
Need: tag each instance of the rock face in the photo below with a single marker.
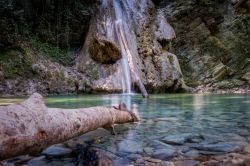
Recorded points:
(146, 41)
(212, 42)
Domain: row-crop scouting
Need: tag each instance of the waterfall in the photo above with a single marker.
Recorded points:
(120, 24)
(112, 31)
(128, 44)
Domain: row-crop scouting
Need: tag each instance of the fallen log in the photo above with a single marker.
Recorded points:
(30, 126)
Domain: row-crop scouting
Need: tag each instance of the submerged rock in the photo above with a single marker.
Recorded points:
(180, 139)
(38, 161)
(220, 147)
(163, 154)
(56, 151)
(129, 146)
(192, 154)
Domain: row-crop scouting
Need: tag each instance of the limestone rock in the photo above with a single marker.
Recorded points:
(219, 72)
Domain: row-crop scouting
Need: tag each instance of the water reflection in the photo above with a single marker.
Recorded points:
(198, 102)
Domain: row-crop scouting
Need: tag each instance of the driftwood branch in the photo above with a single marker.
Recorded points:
(30, 126)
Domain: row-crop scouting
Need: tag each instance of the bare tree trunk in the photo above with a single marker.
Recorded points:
(30, 126)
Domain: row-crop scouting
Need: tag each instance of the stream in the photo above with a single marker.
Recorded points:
(172, 127)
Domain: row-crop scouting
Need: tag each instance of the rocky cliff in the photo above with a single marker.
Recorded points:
(212, 42)
(62, 47)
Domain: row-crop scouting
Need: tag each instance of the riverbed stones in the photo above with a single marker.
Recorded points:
(129, 146)
(180, 139)
(134, 156)
(192, 154)
(163, 154)
(148, 150)
(220, 147)
(38, 161)
(56, 151)
(186, 163)
(156, 144)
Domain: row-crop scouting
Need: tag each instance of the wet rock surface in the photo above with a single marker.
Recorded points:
(55, 151)
(207, 43)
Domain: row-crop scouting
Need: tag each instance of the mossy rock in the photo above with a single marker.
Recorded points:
(104, 52)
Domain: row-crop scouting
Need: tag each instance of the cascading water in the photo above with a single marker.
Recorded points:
(124, 61)
(127, 42)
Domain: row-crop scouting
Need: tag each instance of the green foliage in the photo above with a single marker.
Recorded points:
(14, 63)
(55, 53)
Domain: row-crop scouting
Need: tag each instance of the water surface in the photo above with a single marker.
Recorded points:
(216, 118)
